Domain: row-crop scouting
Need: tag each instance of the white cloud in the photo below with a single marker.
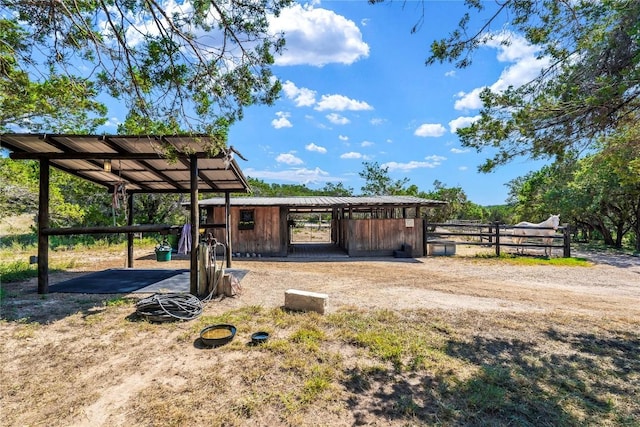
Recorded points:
(430, 129)
(341, 103)
(526, 66)
(302, 97)
(343, 138)
(288, 159)
(451, 73)
(377, 121)
(431, 162)
(463, 168)
(282, 121)
(469, 101)
(317, 37)
(113, 122)
(394, 166)
(511, 47)
(366, 144)
(337, 119)
(315, 148)
(300, 176)
(459, 150)
(351, 155)
(462, 122)
(436, 159)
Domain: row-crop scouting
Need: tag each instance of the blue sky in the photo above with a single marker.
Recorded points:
(356, 89)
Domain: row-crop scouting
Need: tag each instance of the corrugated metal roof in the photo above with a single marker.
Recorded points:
(139, 161)
(325, 201)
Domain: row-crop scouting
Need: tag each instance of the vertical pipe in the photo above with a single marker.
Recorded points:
(43, 222)
(227, 220)
(130, 235)
(195, 225)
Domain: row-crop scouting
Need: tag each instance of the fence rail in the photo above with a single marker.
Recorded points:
(494, 235)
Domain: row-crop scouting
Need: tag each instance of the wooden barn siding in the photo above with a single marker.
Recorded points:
(343, 241)
(380, 237)
(265, 238)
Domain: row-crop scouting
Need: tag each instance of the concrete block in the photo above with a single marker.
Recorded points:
(305, 301)
(441, 247)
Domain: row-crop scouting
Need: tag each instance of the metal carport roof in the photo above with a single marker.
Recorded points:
(141, 162)
(302, 203)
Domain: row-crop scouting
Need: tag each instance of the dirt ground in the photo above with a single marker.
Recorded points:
(33, 325)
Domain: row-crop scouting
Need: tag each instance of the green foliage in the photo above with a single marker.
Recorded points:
(379, 183)
(18, 187)
(17, 270)
(14, 271)
(53, 101)
(262, 189)
(338, 190)
(164, 73)
(588, 89)
(599, 194)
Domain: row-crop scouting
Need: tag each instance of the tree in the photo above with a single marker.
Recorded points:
(595, 193)
(196, 63)
(55, 102)
(331, 189)
(457, 207)
(18, 187)
(588, 89)
(379, 183)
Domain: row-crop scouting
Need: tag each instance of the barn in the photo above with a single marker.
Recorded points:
(359, 226)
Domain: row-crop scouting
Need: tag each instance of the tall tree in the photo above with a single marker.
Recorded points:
(379, 183)
(589, 88)
(457, 207)
(331, 189)
(41, 99)
(198, 63)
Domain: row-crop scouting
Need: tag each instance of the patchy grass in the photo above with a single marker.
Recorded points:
(406, 367)
(14, 271)
(537, 260)
(78, 359)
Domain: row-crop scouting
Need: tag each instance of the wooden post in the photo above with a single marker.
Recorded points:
(227, 212)
(567, 241)
(424, 237)
(497, 239)
(130, 234)
(43, 222)
(195, 226)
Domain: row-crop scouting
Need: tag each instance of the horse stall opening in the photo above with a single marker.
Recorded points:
(499, 236)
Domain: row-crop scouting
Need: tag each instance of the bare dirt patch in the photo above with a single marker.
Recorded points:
(75, 359)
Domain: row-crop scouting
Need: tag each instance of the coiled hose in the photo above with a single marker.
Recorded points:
(168, 307)
(173, 306)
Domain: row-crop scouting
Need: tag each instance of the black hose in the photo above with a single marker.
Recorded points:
(169, 307)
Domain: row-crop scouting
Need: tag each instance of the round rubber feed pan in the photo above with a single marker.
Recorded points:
(217, 335)
(259, 337)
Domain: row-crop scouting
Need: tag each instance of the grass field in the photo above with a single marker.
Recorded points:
(554, 345)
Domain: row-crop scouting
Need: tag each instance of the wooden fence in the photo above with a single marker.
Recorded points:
(493, 235)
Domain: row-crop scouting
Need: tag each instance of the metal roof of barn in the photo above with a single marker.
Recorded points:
(326, 202)
(140, 162)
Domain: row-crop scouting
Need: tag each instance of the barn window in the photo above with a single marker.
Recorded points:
(246, 220)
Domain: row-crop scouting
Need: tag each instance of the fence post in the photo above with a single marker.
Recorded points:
(567, 241)
(497, 239)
